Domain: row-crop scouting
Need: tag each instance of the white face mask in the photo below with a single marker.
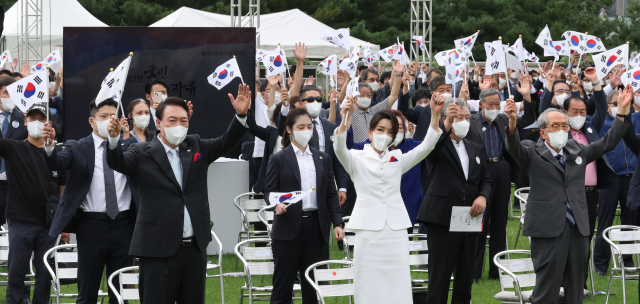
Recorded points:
(302, 137)
(558, 139)
(515, 76)
(461, 128)
(422, 105)
(381, 141)
(35, 128)
(314, 108)
(490, 115)
(141, 121)
(561, 98)
(364, 102)
(7, 104)
(501, 83)
(577, 122)
(588, 86)
(102, 127)
(446, 95)
(636, 99)
(175, 135)
(576, 70)
(614, 111)
(398, 139)
(535, 78)
(374, 86)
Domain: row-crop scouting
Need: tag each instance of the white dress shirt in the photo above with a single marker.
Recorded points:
(553, 152)
(95, 200)
(307, 177)
(463, 156)
(189, 232)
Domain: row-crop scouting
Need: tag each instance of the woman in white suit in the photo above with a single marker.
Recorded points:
(380, 219)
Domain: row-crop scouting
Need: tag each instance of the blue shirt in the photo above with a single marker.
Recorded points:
(492, 145)
(622, 160)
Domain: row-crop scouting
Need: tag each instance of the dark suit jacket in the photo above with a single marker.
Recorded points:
(78, 157)
(283, 175)
(270, 136)
(448, 186)
(420, 116)
(552, 187)
(633, 142)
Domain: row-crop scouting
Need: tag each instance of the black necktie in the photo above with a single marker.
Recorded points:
(316, 138)
(560, 159)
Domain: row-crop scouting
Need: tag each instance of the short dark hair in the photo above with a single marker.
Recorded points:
(385, 75)
(436, 82)
(385, 114)
(171, 101)
(151, 83)
(553, 87)
(399, 114)
(431, 70)
(533, 71)
(419, 94)
(306, 89)
(567, 103)
(5, 81)
(148, 134)
(263, 85)
(292, 118)
(362, 68)
(16, 74)
(93, 109)
(6, 72)
(364, 75)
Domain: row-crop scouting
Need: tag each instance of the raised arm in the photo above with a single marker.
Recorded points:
(300, 52)
(340, 137)
(416, 155)
(516, 150)
(333, 96)
(272, 183)
(524, 89)
(56, 161)
(600, 115)
(345, 85)
(395, 91)
(452, 112)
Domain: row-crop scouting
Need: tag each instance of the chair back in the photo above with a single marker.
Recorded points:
(249, 206)
(416, 258)
(331, 276)
(266, 217)
(257, 261)
(623, 239)
(61, 257)
(522, 195)
(4, 249)
(515, 273)
(126, 277)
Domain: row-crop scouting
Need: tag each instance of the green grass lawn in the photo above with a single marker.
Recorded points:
(483, 291)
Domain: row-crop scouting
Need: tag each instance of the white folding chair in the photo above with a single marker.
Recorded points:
(249, 206)
(4, 259)
(516, 274)
(266, 217)
(521, 195)
(513, 186)
(60, 257)
(624, 240)
(332, 276)
(125, 279)
(417, 258)
(257, 261)
(217, 266)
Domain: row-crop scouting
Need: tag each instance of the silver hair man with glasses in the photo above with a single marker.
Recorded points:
(557, 217)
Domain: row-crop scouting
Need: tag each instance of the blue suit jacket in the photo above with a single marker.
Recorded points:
(79, 158)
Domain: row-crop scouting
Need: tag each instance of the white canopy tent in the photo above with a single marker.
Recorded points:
(56, 14)
(287, 28)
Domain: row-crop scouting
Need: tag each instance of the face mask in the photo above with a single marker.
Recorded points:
(446, 95)
(314, 108)
(381, 141)
(164, 97)
(606, 81)
(277, 98)
(398, 139)
(7, 104)
(461, 128)
(175, 135)
(576, 70)
(421, 105)
(614, 111)
(561, 98)
(102, 127)
(558, 139)
(490, 115)
(302, 137)
(636, 99)
(364, 102)
(373, 85)
(501, 83)
(577, 122)
(588, 86)
(535, 78)
(141, 121)
(514, 75)
(35, 128)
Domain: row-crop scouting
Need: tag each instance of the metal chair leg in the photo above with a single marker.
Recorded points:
(606, 301)
(221, 283)
(624, 285)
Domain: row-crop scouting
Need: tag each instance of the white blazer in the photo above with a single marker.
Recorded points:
(377, 181)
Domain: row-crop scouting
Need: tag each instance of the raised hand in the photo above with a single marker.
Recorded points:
(464, 92)
(624, 99)
(25, 69)
(284, 96)
(476, 69)
(333, 95)
(547, 67)
(243, 100)
(485, 83)
(412, 127)
(48, 133)
(14, 64)
(406, 78)
(124, 124)
(452, 112)
(309, 81)
(425, 68)
(190, 106)
(397, 68)
(576, 84)
(412, 68)
(273, 81)
(114, 126)
(437, 103)
(524, 87)
(614, 80)
(300, 51)
(511, 109)
(591, 75)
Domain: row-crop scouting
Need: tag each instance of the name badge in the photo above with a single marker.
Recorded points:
(15, 124)
(589, 130)
(478, 160)
(579, 160)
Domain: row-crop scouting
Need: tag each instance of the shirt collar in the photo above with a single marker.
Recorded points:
(317, 119)
(482, 119)
(553, 152)
(166, 147)
(97, 141)
(306, 151)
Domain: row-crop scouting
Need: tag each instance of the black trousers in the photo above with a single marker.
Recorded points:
(295, 256)
(27, 238)
(100, 243)
(255, 169)
(180, 278)
(495, 221)
(3, 201)
(606, 214)
(450, 252)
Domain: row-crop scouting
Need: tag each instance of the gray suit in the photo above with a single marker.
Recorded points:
(559, 251)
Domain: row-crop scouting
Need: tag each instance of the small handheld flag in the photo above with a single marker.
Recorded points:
(225, 73)
(276, 198)
(5, 57)
(467, 41)
(53, 60)
(631, 78)
(114, 86)
(339, 37)
(387, 54)
(29, 90)
(275, 62)
(495, 58)
(329, 65)
(605, 61)
(350, 65)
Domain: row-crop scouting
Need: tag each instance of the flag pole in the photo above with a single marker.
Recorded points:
(505, 63)
(47, 103)
(347, 113)
(234, 58)
(626, 65)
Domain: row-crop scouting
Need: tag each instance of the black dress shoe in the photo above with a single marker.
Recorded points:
(26, 301)
(602, 273)
(475, 281)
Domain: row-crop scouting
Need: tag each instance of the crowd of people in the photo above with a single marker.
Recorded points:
(405, 151)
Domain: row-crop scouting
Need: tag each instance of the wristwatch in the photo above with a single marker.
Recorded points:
(241, 115)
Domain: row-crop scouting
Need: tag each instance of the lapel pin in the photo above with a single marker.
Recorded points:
(578, 160)
(589, 130)
(320, 157)
(478, 160)
(188, 150)
(484, 129)
(15, 124)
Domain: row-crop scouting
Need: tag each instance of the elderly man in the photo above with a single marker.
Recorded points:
(557, 218)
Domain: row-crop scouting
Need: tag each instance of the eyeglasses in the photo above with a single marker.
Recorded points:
(562, 91)
(557, 128)
(614, 104)
(313, 99)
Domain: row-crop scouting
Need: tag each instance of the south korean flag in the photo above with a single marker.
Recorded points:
(225, 73)
(29, 90)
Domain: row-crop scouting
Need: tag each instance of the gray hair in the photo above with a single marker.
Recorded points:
(610, 95)
(543, 121)
(432, 70)
(488, 92)
(365, 85)
(451, 100)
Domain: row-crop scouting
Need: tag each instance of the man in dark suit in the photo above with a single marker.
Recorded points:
(557, 217)
(155, 92)
(172, 227)
(458, 177)
(99, 205)
(488, 130)
(300, 233)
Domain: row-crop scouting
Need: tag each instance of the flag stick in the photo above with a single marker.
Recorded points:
(47, 104)
(234, 58)
(505, 63)
(122, 93)
(579, 59)
(355, 80)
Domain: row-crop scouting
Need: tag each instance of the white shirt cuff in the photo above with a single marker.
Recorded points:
(113, 142)
(243, 121)
(533, 90)
(284, 111)
(607, 89)
(49, 150)
(342, 190)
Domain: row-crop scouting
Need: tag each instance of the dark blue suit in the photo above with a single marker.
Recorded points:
(101, 242)
(17, 130)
